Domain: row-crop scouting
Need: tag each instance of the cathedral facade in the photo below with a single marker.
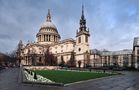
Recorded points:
(49, 40)
(49, 47)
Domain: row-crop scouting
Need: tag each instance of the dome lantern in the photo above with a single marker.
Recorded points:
(48, 16)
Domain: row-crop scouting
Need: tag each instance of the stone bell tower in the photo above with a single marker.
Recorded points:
(82, 40)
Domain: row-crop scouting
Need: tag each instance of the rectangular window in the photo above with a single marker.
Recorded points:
(79, 40)
(40, 37)
(138, 51)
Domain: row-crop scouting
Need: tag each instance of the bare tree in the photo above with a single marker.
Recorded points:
(62, 63)
(13, 57)
(72, 62)
(4, 59)
(50, 59)
(87, 59)
(33, 56)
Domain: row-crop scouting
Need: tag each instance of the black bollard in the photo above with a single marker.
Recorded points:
(35, 76)
(90, 69)
(104, 70)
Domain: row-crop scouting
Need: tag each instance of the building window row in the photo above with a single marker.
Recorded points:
(86, 39)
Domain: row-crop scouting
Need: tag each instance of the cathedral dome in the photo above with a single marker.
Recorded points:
(48, 32)
(48, 25)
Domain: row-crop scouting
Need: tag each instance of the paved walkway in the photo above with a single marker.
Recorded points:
(130, 81)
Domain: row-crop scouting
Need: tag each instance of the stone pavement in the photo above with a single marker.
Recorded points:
(9, 80)
(129, 81)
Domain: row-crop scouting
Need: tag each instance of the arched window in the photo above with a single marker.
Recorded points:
(79, 40)
(86, 38)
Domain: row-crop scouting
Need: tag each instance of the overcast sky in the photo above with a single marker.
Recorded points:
(113, 23)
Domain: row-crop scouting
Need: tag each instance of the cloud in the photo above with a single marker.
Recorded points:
(114, 20)
(113, 23)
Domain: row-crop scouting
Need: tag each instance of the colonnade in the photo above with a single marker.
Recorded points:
(44, 37)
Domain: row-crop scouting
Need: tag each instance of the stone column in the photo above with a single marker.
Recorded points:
(39, 38)
(111, 60)
(43, 38)
(50, 37)
(54, 38)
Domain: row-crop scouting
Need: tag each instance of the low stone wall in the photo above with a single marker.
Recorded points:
(42, 67)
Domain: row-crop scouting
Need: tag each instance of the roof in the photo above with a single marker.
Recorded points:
(35, 44)
(105, 52)
(65, 40)
(120, 52)
(136, 41)
(95, 51)
(48, 25)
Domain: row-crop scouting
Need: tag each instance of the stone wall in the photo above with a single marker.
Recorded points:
(42, 67)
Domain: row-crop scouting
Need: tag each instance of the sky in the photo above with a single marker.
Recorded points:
(113, 24)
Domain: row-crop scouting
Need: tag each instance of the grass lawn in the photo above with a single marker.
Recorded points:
(69, 76)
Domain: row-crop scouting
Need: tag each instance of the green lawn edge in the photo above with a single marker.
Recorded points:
(65, 77)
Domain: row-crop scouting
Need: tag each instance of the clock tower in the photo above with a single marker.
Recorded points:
(82, 40)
